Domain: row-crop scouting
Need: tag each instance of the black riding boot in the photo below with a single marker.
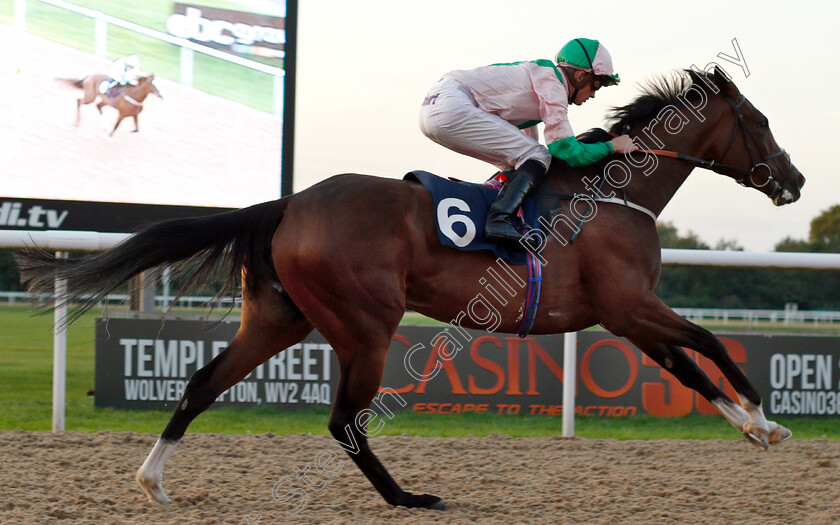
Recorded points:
(499, 227)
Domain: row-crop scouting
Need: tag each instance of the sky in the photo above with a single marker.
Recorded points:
(364, 67)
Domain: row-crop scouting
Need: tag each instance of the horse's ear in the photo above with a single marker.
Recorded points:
(721, 78)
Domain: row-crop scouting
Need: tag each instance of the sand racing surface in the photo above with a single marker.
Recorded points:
(89, 478)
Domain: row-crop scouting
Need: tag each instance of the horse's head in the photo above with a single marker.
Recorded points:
(148, 83)
(749, 153)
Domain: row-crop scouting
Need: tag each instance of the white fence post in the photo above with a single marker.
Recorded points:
(569, 379)
(148, 283)
(59, 352)
(187, 66)
(20, 15)
(100, 39)
(165, 280)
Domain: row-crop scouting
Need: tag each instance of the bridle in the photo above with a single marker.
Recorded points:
(741, 175)
(748, 137)
(736, 172)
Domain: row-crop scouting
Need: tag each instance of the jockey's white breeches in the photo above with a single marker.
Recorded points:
(451, 117)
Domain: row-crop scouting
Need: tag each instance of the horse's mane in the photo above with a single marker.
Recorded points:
(657, 93)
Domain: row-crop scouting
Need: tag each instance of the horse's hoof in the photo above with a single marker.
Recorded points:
(152, 488)
(425, 501)
(437, 505)
(779, 435)
(757, 436)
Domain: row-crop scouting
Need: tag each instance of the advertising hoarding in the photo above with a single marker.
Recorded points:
(141, 364)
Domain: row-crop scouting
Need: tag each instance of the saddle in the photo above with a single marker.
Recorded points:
(111, 89)
(461, 210)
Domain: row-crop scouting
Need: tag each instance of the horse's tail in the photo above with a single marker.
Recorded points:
(75, 82)
(192, 246)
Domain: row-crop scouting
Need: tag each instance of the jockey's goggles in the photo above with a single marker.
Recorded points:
(599, 81)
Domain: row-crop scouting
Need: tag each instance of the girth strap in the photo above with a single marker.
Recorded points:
(629, 204)
(532, 296)
(132, 101)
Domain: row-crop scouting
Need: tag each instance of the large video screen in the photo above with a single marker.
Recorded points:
(206, 131)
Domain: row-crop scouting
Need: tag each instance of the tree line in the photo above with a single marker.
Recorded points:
(754, 288)
(701, 287)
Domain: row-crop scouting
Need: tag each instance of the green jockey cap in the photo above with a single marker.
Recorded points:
(589, 55)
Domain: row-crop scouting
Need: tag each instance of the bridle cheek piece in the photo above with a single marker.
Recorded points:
(744, 174)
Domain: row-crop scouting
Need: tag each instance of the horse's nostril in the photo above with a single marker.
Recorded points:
(800, 181)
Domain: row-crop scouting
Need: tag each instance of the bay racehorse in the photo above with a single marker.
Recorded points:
(348, 256)
(128, 101)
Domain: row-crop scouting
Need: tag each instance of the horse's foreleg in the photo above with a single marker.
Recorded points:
(119, 119)
(136, 125)
(267, 328)
(655, 321)
(78, 111)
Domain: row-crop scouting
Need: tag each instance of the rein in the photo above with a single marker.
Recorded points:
(740, 174)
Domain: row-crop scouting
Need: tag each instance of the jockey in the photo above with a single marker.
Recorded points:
(491, 112)
(123, 71)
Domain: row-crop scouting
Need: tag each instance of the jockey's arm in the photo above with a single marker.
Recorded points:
(576, 153)
(554, 107)
(131, 75)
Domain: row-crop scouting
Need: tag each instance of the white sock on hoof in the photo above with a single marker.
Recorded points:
(756, 414)
(733, 413)
(150, 474)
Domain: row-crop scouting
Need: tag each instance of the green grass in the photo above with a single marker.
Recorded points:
(714, 326)
(26, 402)
(767, 326)
(212, 75)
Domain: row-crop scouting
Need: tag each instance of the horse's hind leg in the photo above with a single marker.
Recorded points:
(359, 324)
(136, 125)
(88, 96)
(653, 321)
(361, 366)
(270, 323)
(358, 314)
(680, 365)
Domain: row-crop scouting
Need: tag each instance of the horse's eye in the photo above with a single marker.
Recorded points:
(764, 123)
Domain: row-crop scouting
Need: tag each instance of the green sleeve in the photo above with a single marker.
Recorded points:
(579, 154)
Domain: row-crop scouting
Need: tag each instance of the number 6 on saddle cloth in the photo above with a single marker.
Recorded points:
(460, 212)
